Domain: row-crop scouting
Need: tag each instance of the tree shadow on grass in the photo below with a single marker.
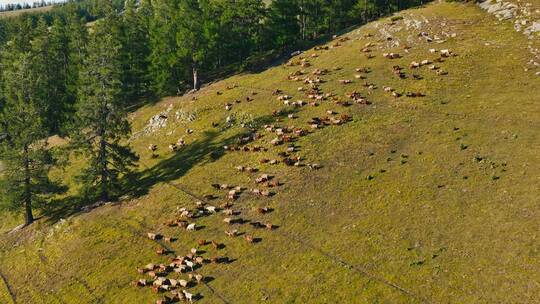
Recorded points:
(200, 152)
(206, 150)
(139, 183)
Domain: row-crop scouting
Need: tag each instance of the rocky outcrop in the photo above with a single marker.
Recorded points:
(526, 19)
(164, 118)
(525, 16)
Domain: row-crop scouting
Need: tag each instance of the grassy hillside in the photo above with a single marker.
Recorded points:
(428, 199)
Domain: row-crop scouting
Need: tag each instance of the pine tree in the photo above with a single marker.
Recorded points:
(366, 9)
(20, 41)
(191, 42)
(59, 71)
(135, 49)
(337, 14)
(100, 118)
(311, 18)
(77, 42)
(49, 47)
(283, 24)
(3, 33)
(23, 149)
(165, 65)
(238, 28)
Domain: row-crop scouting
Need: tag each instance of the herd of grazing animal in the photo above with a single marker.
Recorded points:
(181, 272)
(282, 138)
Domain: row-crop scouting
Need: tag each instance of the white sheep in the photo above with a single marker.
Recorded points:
(188, 296)
(190, 264)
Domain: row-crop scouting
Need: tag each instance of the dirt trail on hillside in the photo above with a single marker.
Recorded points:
(9, 289)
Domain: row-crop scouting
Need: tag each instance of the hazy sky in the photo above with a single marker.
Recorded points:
(3, 2)
(12, 1)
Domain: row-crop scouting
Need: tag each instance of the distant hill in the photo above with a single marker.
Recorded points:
(8, 14)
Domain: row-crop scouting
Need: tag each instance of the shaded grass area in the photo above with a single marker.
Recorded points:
(428, 199)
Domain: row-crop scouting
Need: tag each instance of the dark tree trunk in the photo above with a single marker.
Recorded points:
(303, 21)
(195, 77)
(104, 173)
(29, 217)
(364, 15)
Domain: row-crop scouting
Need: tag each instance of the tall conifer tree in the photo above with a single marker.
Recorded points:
(190, 38)
(23, 150)
(283, 24)
(136, 49)
(101, 119)
(165, 67)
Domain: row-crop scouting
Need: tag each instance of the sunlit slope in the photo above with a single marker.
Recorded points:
(428, 199)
